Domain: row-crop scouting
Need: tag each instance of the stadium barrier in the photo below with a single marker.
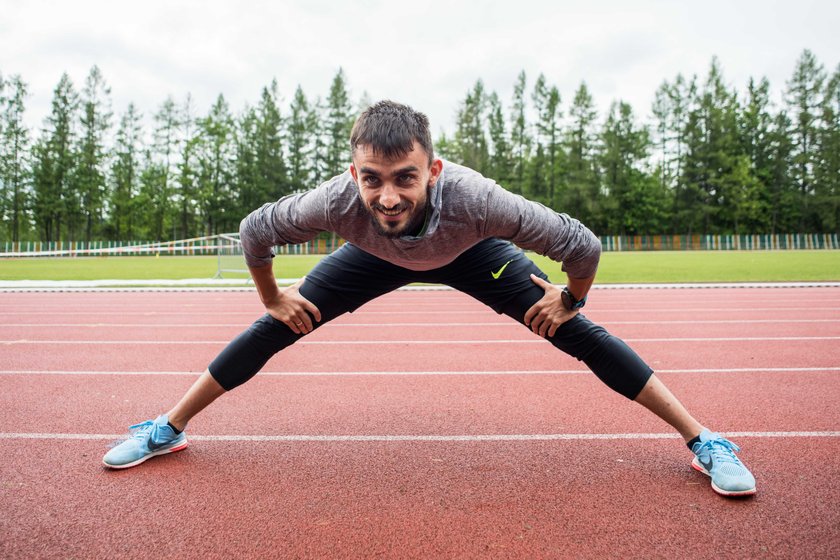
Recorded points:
(720, 242)
(225, 247)
(216, 244)
(209, 245)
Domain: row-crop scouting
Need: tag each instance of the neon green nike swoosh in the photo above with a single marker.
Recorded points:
(496, 275)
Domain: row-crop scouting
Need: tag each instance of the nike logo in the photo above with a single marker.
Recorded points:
(707, 466)
(153, 445)
(498, 273)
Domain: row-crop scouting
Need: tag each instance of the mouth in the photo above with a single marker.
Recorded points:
(391, 213)
(399, 220)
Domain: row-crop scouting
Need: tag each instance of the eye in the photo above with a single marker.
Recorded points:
(405, 179)
(370, 180)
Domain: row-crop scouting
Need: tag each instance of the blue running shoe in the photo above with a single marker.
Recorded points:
(715, 456)
(148, 439)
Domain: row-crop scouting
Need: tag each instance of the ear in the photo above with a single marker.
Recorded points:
(436, 170)
(354, 174)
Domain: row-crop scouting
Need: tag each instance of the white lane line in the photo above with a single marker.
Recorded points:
(418, 342)
(243, 325)
(422, 373)
(136, 313)
(173, 286)
(509, 323)
(422, 438)
(643, 310)
(447, 311)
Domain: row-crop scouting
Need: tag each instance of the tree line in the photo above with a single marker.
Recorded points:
(709, 159)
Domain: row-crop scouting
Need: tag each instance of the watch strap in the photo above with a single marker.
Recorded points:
(570, 301)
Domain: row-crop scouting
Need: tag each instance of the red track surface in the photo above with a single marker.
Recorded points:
(78, 368)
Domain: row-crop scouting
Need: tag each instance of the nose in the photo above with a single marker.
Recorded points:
(389, 197)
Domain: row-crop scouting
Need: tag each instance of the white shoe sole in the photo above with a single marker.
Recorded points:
(180, 447)
(695, 463)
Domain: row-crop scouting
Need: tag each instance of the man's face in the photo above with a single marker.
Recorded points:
(395, 191)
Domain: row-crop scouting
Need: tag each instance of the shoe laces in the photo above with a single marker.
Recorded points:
(721, 449)
(137, 431)
(141, 430)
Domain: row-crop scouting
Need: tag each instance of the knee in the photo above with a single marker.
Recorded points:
(580, 337)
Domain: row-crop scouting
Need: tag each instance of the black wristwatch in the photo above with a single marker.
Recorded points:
(570, 301)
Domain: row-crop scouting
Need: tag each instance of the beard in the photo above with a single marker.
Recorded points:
(412, 226)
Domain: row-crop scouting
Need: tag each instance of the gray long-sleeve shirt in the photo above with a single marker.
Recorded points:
(465, 209)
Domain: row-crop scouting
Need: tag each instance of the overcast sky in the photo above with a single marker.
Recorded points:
(424, 53)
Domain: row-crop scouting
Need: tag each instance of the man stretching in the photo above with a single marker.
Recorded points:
(410, 217)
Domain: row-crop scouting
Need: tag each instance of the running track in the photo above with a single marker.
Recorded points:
(421, 426)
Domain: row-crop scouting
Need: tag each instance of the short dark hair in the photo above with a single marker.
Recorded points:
(391, 128)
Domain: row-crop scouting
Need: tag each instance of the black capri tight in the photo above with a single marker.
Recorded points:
(350, 277)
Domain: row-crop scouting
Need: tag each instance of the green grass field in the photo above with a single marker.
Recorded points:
(629, 267)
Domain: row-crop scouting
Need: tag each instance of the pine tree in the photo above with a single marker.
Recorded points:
(54, 165)
(445, 148)
(671, 109)
(470, 137)
(755, 123)
(661, 110)
(272, 176)
(165, 194)
(827, 172)
(215, 169)
(714, 170)
(14, 158)
(90, 173)
(152, 201)
(782, 189)
(190, 140)
(500, 166)
(520, 138)
(338, 120)
(547, 164)
(317, 125)
(803, 97)
(636, 202)
(581, 196)
(125, 173)
(299, 134)
(5, 195)
(246, 165)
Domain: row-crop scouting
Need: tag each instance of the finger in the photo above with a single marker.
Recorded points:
(309, 306)
(563, 321)
(529, 315)
(536, 323)
(294, 325)
(544, 326)
(539, 281)
(305, 323)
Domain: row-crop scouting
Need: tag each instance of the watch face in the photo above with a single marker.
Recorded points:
(567, 301)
